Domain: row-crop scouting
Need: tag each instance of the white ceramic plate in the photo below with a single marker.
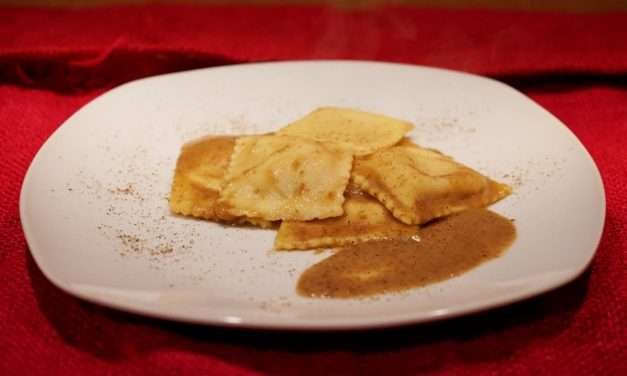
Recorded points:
(94, 201)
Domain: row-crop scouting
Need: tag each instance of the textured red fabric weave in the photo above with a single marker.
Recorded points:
(54, 61)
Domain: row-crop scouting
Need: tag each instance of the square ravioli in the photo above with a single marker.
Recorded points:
(198, 176)
(275, 177)
(361, 132)
(364, 219)
(418, 184)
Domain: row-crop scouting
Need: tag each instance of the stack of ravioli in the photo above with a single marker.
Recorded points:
(333, 178)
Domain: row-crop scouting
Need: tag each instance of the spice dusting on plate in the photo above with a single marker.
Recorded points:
(447, 248)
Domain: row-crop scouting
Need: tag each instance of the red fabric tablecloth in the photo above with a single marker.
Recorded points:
(54, 61)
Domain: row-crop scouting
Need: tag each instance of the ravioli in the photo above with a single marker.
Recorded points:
(361, 132)
(198, 176)
(418, 184)
(406, 141)
(278, 177)
(199, 171)
(364, 219)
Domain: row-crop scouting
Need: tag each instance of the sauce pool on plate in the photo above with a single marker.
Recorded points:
(446, 248)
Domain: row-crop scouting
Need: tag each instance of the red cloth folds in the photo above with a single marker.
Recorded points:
(54, 61)
(37, 46)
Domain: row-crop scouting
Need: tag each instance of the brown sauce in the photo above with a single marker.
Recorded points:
(447, 248)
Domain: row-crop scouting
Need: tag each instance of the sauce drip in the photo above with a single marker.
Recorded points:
(447, 248)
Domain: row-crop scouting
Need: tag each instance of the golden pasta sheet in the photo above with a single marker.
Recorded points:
(199, 171)
(406, 141)
(418, 184)
(361, 132)
(364, 219)
(277, 177)
(198, 176)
